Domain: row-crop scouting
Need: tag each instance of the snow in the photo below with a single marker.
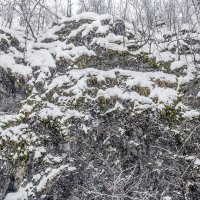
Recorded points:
(21, 69)
(50, 33)
(3, 36)
(71, 169)
(142, 78)
(117, 106)
(166, 57)
(103, 29)
(14, 133)
(51, 46)
(78, 51)
(75, 82)
(67, 87)
(164, 95)
(104, 42)
(52, 173)
(197, 162)
(167, 198)
(36, 177)
(50, 111)
(74, 53)
(41, 58)
(189, 157)
(52, 159)
(58, 82)
(118, 92)
(78, 30)
(26, 108)
(177, 64)
(7, 62)
(21, 194)
(72, 113)
(87, 28)
(191, 114)
(17, 33)
(88, 16)
(90, 27)
(38, 152)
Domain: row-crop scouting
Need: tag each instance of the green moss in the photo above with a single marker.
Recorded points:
(92, 92)
(81, 103)
(51, 123)
(92, 81)
(166, 84)
(20, 82)
(144, 91)
(170, 113)
(128, 104)
(23, 157)
(26, 157)
(143, 57)
(63, 62)
(112, 53)
(164, 66)
(16, 153)
(83, 61)
(101, 102)
(29, 89)
(14, 122)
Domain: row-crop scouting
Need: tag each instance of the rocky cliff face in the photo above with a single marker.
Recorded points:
(93, 114)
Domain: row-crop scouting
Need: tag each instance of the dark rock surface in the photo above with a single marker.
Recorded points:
(11, 91)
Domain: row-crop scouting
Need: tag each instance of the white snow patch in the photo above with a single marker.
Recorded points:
(7, 62)
(21, 194)
(86, 15)
(41, 58)
(177, 64)
(52, 173)
(164, 95)
(197, 162)
(58, 81)
(120, 93)
(50, 111)
(39, 151)
(191, 114)
(167, 198)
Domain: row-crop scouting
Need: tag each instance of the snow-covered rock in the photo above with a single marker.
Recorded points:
(99, 115)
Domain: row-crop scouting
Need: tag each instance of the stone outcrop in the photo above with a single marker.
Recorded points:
(98, 117)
